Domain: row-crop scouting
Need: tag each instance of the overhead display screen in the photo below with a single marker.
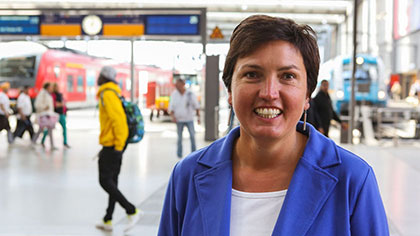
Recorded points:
(13, 25)
(172, 24)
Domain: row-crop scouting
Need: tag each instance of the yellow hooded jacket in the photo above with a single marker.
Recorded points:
(113, 121)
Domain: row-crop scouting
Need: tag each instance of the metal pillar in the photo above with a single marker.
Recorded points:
(212, 99)
(133, 81)
(353, 77)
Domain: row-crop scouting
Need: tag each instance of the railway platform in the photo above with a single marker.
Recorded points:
(56, 192)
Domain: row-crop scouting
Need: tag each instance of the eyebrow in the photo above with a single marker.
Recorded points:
(292, 66)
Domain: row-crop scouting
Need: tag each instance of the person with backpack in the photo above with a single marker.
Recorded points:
(113, 138)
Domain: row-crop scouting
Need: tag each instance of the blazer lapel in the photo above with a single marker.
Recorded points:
(309, 189)
(214, 189)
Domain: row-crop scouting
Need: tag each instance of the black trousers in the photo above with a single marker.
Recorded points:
(109, 169)
(22, 126)
(4, 123)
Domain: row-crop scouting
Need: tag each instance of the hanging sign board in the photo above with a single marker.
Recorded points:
(172, 24)
(19, 25)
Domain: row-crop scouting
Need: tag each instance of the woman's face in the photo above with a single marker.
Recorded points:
(269, 90)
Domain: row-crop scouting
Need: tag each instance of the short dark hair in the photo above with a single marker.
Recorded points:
(256, 30)
(46, 85)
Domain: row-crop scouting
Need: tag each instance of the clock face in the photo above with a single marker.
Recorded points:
(92, 24)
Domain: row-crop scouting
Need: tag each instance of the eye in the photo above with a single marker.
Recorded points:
(251, 75)
(288, 76)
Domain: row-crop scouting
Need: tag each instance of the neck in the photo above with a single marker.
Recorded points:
(258, 154)
(262, 167)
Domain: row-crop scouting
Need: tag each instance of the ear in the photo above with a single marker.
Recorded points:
(307, 105)
(230, 98)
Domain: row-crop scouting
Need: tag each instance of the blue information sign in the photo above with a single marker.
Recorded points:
(19, 25)
(172, 24)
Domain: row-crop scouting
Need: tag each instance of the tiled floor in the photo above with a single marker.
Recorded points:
(57, 192)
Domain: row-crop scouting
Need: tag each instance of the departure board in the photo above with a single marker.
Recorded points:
(172, 24)
(19, 25)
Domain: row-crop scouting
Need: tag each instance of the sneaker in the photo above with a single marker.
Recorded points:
(132, 219)
(66, 145)
(105, 225)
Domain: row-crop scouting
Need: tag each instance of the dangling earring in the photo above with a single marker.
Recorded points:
(305, 114)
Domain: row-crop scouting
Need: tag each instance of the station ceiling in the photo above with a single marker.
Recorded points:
(225, 14)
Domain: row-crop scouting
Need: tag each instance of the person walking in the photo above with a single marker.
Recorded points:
(113, 138)
(45, 115)
(325, 109)
(24, 108)
(182, 105)
(61, 109)
(4, 111)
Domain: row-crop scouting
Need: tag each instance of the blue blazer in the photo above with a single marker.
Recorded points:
(332, 192)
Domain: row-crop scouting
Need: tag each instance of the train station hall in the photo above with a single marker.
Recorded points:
(210, 118)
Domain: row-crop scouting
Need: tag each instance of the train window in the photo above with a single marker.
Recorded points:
(18, 67)
(57, 71)
(70, 87)
(80, 84)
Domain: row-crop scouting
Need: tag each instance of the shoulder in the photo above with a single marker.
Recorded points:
(352, 160)
(353, 170)
(196, 162)
(189, 166)
(175, 93)
(110, 93)
(337, 161)
(58, 95)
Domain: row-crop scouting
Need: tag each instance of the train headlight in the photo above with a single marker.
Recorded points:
(360, 60)
(339, 94)
(381, 95)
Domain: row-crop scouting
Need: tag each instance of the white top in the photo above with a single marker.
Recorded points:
(415, 87)
(4, 99)
(24, 103)
(255, 213)
(44, 103)
(183, 105)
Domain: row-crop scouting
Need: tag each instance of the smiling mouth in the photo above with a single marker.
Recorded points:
(268, 113)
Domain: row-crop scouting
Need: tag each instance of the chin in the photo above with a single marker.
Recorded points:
(267, 132)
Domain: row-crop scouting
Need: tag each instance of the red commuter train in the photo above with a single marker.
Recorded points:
(33, 64)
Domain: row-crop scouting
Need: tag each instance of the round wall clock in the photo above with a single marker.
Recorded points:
(92, 24)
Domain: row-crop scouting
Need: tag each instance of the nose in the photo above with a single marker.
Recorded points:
(270, 88)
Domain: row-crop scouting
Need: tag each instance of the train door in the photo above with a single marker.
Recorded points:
(75, 85)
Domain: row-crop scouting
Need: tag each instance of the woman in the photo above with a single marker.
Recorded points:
(273, 175)
(45, 115)
(61, 109)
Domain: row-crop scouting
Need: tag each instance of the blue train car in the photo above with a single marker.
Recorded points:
(370, 87)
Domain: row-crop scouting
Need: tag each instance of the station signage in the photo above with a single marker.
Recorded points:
(60, 25)
(118, 25)
(123, 25)
(172, 24)
(19, 25)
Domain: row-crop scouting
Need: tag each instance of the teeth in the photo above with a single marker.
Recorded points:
(268, 112)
